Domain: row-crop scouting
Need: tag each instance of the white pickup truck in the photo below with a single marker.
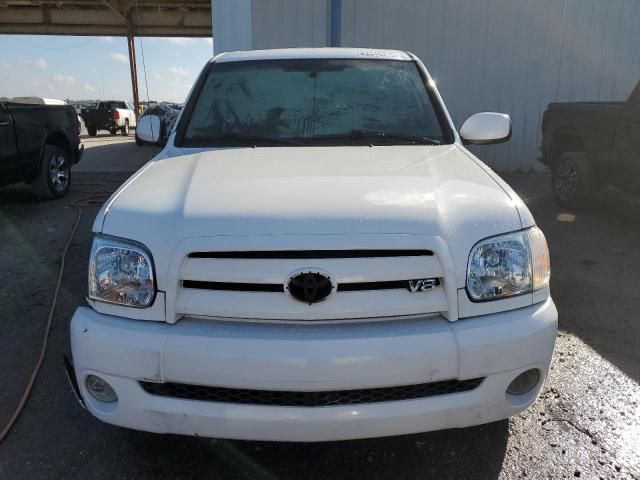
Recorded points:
(112, 115)
(314, 256)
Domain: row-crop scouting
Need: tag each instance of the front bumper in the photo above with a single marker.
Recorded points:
(326, 357)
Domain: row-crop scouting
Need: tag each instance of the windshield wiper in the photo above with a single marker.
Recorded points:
(247, 138)
(364, 134)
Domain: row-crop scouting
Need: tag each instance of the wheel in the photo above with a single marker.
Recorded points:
(113, 131)
(573, 180)
(125, 129)
(92, 131)
(138, 141)
(54, 177)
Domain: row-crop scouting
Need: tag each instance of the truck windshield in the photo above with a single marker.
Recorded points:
(312, 102)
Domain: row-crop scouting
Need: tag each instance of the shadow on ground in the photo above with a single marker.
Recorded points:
(595, 263)
(477, 452)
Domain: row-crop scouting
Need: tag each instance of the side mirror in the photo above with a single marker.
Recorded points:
(485, 128)
(148, 128)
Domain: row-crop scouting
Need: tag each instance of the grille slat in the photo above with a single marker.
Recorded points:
(312, 254)
(309, 399)
(279, 288)
(234, 286)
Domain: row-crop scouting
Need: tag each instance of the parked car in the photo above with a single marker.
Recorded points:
(112, 115)
(38, 145)
(314, 255)
(588, 145)
(167, 113)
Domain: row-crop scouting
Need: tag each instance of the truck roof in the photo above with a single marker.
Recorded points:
(38, 101)
(309, 53)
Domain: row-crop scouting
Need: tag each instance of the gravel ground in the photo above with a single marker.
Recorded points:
(585, 424)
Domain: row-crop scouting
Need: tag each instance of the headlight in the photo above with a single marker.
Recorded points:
(508, 265)
(121, 272)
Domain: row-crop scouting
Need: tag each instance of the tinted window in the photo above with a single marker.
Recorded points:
(312, 101)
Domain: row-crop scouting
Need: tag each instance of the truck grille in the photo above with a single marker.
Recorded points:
(309, 399)
(250, 284)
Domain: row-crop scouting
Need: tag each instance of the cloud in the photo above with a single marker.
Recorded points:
(107, 39)
(179, 40)
(180, 71)
(208, 41)
(119, 57)
(157, 76)
(6, 65)
(59, 77)
(88, 87)
(39, 63)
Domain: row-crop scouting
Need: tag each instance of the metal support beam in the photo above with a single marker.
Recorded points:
(116, 11)
(134, 70)
(336, 23)
(155, 18)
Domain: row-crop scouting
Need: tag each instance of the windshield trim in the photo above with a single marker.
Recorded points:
(448, 137)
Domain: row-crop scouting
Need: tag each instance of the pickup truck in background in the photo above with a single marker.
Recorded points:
(38, 145)
(112, 115)
(589, 145)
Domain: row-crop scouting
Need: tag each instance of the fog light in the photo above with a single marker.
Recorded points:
(524, 382)
(100, 389)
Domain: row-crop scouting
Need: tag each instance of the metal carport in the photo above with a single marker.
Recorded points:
(126, 18)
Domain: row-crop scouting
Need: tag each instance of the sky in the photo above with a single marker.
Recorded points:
(88, 68)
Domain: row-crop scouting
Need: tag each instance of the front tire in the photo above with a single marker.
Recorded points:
(92, 131)
(125, 129)
(573, 180)
(54, 177)
(113, 131)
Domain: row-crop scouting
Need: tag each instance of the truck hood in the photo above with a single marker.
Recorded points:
(418, 190)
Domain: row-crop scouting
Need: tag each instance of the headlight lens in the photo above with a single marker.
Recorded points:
(121, 272)
(508, 265)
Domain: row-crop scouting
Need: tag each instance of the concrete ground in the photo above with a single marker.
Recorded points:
(107, 153)
(586, 422)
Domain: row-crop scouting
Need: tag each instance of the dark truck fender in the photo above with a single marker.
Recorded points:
(578, 127)
(60, 139)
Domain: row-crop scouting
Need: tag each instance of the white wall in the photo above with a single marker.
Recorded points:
(231, 25)
(290, 23)
(513, 56)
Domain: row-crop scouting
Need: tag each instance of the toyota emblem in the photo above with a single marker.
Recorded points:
(310, 286)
